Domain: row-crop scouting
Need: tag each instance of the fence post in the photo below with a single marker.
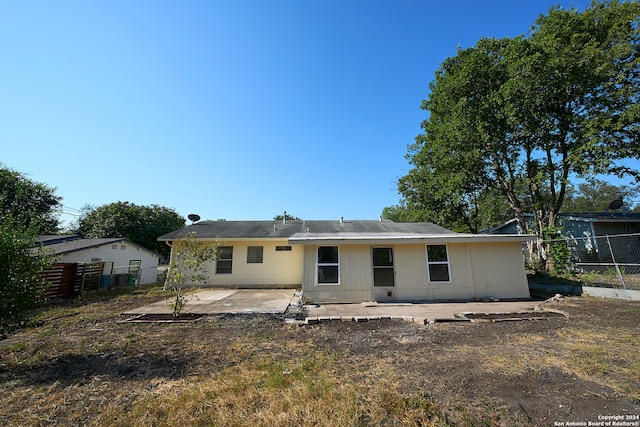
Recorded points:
(613, 258)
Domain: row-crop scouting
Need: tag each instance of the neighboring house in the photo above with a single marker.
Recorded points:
(120, 256)
(586, 234)
(356, 261)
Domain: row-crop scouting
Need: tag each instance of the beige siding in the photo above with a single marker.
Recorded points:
(498, 270)
(356, 276)
(411, 272)
(282, 269)
(477, 270)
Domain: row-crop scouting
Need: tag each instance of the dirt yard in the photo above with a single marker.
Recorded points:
(78, 366)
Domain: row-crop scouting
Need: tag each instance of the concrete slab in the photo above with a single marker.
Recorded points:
(420, 312)
(225, 301)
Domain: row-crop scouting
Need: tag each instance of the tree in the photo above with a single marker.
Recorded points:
(286, 217)
(140, 224)
(21, 282)
(520, 117)
(188, 264)
(31, 204)
(596, 196)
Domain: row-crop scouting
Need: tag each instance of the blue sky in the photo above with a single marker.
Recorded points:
(229, 109)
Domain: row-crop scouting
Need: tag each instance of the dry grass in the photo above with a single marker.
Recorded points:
(77, 366)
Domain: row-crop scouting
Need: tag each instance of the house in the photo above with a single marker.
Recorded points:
(590, 235)
(356, 261)
(119, 256)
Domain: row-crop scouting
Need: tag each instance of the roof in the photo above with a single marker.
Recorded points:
(50, 239)
(284, 230)
(615, 217)
(84, 244)
(343, 231)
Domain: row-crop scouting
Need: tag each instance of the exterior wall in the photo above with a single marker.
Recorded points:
(498, 270)
(612, 228)
(118, 259)
(477, 270)
(356, 276)
(279, 269)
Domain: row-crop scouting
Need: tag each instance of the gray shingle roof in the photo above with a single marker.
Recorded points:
(278, 230)
(82, 244)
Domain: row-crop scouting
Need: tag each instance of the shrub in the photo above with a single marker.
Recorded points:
(21, 282)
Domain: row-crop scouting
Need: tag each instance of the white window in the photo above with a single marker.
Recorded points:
(283, 248)
(328, 265)
(438, 263)
(224, 263)
(254, 254)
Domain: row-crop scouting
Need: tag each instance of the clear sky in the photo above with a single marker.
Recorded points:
(235, 109)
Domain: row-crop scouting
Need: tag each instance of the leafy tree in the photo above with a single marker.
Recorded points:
(32, 204)
(21, 282)
(520, 117)
(597, 195)
(140, 224)
(286, 216)
(188, 264)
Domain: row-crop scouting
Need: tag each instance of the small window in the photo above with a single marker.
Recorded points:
(328, 265)
(96, 259)
(135, 265)
(123, 247)
(254, 254)
(224, 262)
(438, 263)
(114, 246)
(283, 248)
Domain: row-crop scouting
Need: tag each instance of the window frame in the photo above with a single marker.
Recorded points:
(327, 264)
(430, 263)
(224, 260)
(251, 260)
(390, 266)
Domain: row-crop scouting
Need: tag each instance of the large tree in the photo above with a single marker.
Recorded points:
(521, 117)
(597, 196)
(140, 224)
(32, 204)
(21, 281)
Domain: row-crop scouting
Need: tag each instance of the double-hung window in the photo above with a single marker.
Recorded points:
(438, 263)
(225, 260)
(328, 265)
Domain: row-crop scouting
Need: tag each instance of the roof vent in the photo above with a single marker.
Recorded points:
(341, 220)
(380, 218)
(275, 228)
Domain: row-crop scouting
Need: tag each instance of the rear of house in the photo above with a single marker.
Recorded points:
(356, 261)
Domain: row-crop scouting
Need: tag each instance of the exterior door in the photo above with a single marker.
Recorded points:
(383, 274)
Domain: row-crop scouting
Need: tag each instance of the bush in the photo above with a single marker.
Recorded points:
(21, 283)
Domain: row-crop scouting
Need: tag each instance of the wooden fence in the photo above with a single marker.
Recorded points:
(72, 279)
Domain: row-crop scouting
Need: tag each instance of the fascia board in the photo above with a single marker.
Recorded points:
(304, 239)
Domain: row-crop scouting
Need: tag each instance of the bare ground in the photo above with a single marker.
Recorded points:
(78, 366)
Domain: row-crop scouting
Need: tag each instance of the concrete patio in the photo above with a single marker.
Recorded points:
(414, 312)
(225, 301)
(212, 302)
